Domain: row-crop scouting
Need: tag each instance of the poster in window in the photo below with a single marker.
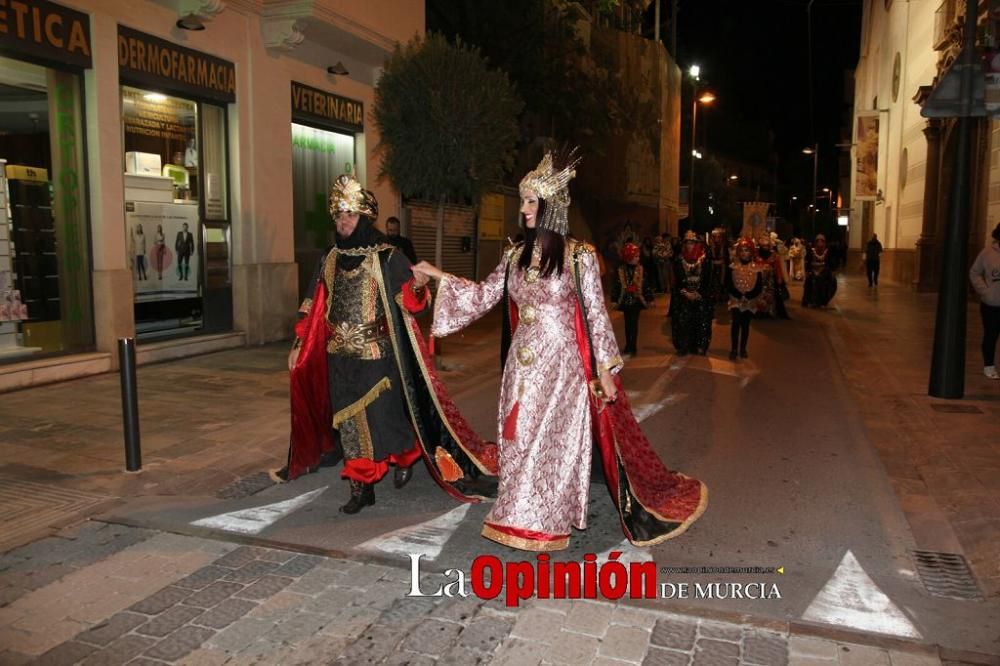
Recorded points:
(162, 246)
(866, 165)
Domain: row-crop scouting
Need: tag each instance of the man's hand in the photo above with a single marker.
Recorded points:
(293, 358)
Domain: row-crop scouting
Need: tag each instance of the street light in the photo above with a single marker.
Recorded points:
(705, 98)
(814, 151)
(829, 196)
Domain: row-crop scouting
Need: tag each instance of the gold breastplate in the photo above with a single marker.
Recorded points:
(355, 315)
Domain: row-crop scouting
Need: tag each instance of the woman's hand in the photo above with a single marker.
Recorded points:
(427, 271)
(293, 358)
(608, 384)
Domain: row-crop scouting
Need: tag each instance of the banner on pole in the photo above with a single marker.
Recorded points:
(866, 157)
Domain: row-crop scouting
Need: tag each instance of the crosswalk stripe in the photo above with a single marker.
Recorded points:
(426, 538)
(256, 519)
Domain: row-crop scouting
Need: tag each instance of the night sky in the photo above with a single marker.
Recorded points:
(754, 55)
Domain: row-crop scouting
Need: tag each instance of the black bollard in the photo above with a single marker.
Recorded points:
(130, 404)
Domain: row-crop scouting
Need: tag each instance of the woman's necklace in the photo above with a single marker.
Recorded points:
(533, 271)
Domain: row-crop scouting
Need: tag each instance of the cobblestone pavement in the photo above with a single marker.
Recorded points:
(105, 594)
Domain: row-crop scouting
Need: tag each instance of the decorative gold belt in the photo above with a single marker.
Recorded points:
(349, 338)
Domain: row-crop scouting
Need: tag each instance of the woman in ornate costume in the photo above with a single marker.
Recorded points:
(745, 283)
(559, 390)
(821, 283)
(691, 304)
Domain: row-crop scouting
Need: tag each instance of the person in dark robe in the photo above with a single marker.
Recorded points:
(821, 282)
(691, 304)
(361, 383)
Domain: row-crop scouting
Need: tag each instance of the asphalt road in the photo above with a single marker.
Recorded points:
(793, 482)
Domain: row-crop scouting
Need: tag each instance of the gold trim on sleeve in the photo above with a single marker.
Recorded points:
(611, 364)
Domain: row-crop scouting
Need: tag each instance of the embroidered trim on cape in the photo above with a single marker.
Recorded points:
(374, 392)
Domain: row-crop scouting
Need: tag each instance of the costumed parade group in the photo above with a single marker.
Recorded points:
(364, 389)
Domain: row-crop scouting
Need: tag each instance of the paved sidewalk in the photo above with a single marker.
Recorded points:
(942, 456)
(129, 596)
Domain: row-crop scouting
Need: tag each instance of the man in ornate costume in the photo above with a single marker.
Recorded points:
(821, 283)
(771, 302)
(358, 365)
(559, 391)
(691, 305)
(744, 282)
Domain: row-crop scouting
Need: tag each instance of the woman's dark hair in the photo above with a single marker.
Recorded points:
(553, 246)
(996, 232)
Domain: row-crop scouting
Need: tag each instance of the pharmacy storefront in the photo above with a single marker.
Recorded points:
(45, 289)
(174, 104)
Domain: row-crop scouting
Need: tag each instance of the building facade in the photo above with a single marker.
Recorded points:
(165, 168)
(903, 162)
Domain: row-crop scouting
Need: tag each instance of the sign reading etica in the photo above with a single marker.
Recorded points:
(45, 30)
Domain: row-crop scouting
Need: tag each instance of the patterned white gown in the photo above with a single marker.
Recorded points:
(544, 421)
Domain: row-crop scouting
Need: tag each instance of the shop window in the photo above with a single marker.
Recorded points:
(45, 288)
(318, 157)
(175, 191)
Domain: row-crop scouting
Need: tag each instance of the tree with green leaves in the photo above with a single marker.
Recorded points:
(448, 123)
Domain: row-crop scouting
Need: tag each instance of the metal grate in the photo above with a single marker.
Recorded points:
(945, 575)
(955, 409)
(245, 487)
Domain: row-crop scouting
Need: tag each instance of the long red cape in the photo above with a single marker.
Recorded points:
(448, 445)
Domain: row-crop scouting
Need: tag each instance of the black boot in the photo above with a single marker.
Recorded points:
(402, 476)
(362, 495)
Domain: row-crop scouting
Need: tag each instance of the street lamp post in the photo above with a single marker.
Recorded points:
(814, 151)
(705, 98)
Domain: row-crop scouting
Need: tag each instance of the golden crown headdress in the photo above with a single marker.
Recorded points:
(348, 196)
(552, 185)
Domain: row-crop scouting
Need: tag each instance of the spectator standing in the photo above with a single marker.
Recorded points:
(985, 278)
(401, 242)
(873, 262)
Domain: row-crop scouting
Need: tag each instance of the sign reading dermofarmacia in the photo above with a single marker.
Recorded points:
(150, 61)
